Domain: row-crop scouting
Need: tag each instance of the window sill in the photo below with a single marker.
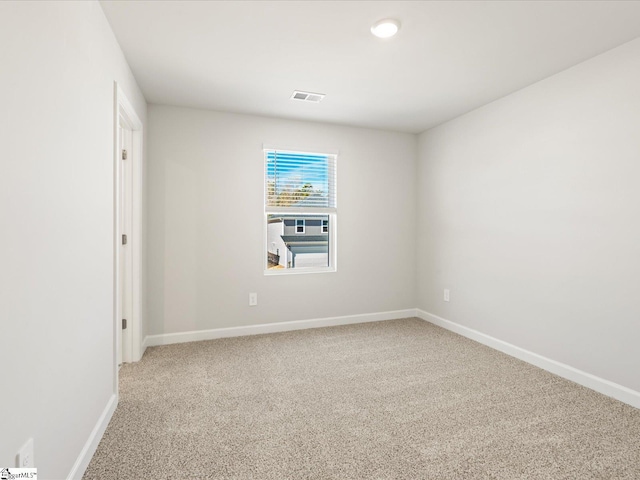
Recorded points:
(297, 271)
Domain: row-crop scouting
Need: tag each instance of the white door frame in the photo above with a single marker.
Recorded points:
(126, 117)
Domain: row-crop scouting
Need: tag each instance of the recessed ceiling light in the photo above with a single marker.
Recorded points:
(385, 28)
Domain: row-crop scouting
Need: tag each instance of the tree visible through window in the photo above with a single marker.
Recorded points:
(300, 211)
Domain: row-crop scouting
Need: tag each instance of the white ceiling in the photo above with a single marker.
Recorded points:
(448, 58)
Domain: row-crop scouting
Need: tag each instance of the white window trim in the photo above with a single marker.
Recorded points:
(304, 226)
(330, 212)
(322, 226)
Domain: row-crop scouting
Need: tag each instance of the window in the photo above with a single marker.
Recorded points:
(300, 212)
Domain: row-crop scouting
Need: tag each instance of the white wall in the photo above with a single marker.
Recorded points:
(529, 212)
(58, 64)
(206, 214)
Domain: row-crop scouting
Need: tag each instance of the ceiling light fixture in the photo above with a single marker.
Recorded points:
(385, 28)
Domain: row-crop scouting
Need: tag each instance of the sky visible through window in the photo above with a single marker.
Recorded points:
(297, 179)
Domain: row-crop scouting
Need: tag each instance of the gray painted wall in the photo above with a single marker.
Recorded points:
(206, 221)
(529, 212)
(59, 61)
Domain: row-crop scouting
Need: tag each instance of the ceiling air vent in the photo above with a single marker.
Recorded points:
(307, 96)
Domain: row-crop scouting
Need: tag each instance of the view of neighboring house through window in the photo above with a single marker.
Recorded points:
(300, 211)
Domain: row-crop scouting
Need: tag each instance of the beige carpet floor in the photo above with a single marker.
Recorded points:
(401, 399)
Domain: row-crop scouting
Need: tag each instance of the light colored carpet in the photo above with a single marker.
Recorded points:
(401, 399)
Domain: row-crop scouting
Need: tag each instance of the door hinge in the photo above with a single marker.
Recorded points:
(124, 154)
(124, 323)
(124, 239)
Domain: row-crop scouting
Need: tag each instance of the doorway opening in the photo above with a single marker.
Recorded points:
(128, 233)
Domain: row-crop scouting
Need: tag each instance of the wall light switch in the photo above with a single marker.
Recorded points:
(446, 294)
(253, 299)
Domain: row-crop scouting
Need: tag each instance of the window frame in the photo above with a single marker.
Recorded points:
(329, 212)
(304, 226)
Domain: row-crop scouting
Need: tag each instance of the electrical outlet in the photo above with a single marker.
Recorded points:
(446, 294)
(253, 299)
(25, 455)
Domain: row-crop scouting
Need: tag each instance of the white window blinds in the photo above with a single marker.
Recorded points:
(297, 180)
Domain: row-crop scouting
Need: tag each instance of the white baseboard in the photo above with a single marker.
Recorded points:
(588, 380)
(194, 336)
(78, 469)
(143, 348)
(598, 384)
(585, 379)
